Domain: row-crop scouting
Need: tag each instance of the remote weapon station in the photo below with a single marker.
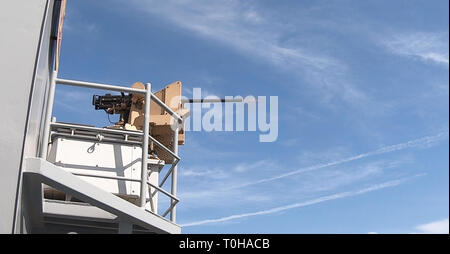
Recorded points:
(73, 178)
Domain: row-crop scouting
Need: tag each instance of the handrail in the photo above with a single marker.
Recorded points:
(118, 89)
(98, 139)
(91, 128)
(115, 131)
(99, 86)
(163, 147)
(158, 188)
(47, 134)
(168, 173)
(126, 179)
(163, 105)
(164, 191)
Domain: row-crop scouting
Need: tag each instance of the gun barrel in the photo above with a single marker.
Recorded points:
(210, 100)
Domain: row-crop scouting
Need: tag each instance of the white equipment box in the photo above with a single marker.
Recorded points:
(80, 156)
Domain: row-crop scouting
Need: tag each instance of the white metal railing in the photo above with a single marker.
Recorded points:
(143, 140)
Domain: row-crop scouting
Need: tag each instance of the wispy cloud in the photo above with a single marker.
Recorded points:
(236, 24)
(256, 165)
(71, 99)
(211, 174)
(244, 27)
(301, 204)
(420, 142)
(426, 46)
(77, 23)
(435, 227)
(219, 191)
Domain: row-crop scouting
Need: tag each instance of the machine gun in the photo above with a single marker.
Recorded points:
(131, 110)
(130, 107)
(114, 104)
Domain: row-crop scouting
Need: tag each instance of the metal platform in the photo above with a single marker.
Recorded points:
(102, 206)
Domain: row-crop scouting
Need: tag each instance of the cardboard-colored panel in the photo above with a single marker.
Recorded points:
(160, 121)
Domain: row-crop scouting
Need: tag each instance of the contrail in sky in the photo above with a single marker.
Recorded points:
(428, 140)
(305, 203)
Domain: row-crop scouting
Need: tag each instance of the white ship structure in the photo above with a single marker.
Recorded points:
(73, 178)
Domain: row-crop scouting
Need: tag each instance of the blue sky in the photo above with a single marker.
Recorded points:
(363, 90)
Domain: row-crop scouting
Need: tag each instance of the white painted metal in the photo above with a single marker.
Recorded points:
(154, 167)
(26, 64)
(48, 115)
(24, 54)
(109, 160)
(59, 178)
(103, 159)
(99, 86)
(173, 214)
(144, 159)
(76, 210)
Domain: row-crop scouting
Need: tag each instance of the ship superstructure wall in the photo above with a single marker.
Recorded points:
(25, 67)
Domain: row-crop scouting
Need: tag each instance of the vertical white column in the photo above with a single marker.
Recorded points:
(145, 145)
(173, 214)
(48, 115)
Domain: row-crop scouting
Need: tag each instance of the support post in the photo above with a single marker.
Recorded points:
(48, 115)
(145, 138)
(173, 213)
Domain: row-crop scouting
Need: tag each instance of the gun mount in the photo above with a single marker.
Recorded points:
(131, 110)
